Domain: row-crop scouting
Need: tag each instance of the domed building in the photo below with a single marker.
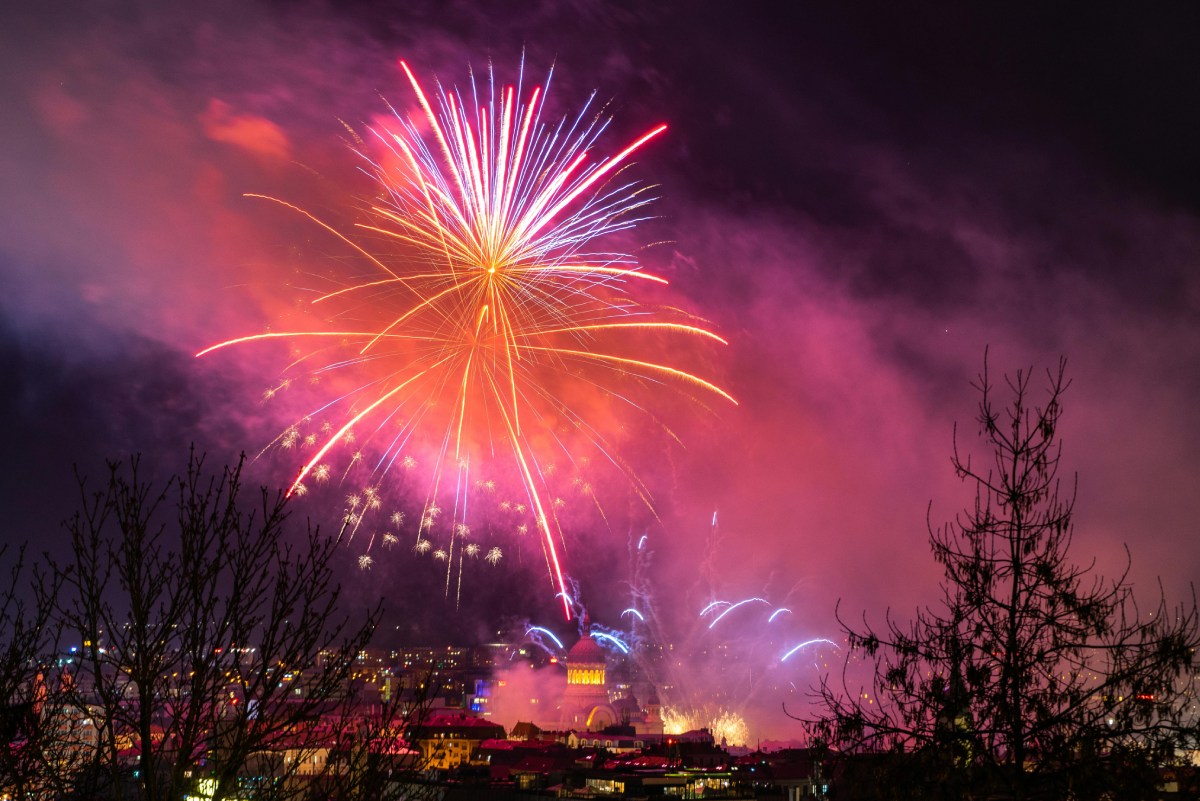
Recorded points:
(585, 703)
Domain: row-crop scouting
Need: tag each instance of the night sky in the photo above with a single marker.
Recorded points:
(861, 200)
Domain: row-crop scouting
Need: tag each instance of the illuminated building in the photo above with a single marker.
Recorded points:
(589, 704)
(449, 740)
(585, 702)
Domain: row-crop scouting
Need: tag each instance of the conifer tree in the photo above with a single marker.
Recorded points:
(1034, 676)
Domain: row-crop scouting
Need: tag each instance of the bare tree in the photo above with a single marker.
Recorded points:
(1034, 676)
(211, 645)
(28, 642)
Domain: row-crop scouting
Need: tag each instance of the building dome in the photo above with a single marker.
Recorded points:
(585, 652)
(585, 701)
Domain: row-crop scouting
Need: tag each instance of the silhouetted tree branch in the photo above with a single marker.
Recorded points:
(212, 645)
(28, 641)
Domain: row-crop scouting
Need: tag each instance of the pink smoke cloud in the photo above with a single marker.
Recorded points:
(248, 131)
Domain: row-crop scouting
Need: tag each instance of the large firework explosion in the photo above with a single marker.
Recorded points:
(484, 317)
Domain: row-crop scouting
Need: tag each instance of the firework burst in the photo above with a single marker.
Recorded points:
(492, 297)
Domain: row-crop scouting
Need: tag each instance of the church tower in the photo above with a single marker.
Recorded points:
(653, 723)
